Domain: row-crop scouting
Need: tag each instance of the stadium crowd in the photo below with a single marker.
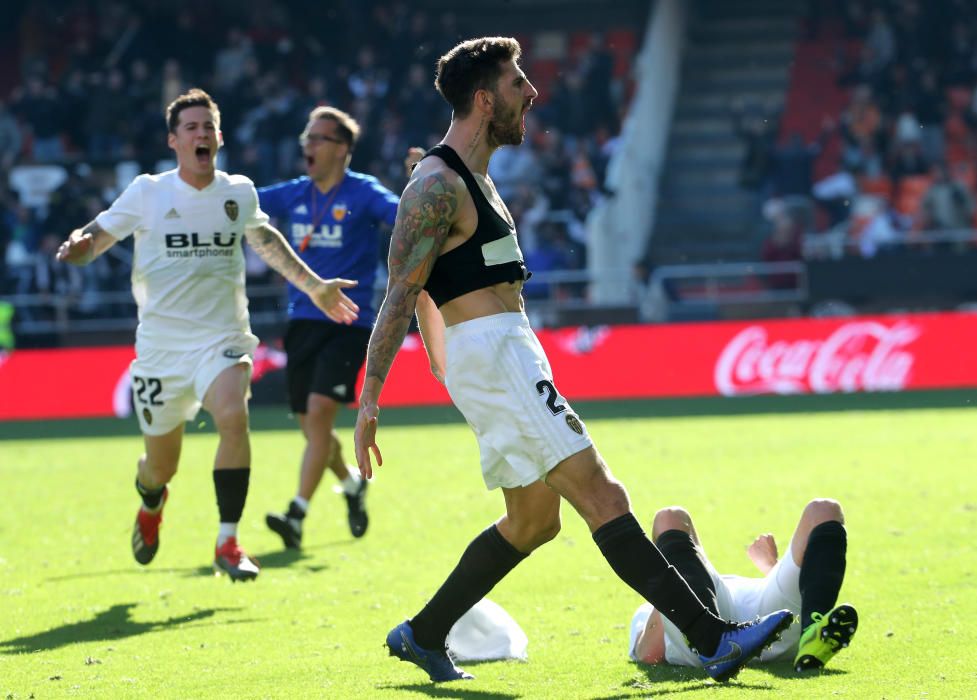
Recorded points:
(902, 168)
(85, 112)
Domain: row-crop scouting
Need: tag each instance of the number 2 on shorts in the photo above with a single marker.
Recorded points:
(545, 385)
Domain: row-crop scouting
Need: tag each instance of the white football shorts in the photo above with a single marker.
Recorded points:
(499, 378)
(168, 386)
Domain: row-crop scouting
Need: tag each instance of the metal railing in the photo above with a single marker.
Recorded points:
(563, 292)
(674, 289)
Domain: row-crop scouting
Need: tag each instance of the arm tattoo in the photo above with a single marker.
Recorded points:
(424, 219)
(270, 245)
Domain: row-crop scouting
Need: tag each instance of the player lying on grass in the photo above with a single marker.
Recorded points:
(806, 581)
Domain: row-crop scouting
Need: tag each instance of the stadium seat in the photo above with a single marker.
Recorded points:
(880, 186)
(910, 194)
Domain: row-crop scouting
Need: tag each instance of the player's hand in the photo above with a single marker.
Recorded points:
(333, 302)
(414, 155)
(763, 552)
(365, 439)
(79, 249)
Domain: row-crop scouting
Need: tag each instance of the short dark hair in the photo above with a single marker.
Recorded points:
(473, 65)
(195, 97)
(346, 127)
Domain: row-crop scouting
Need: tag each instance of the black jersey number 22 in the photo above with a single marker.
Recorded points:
(152, 385)
(545, 385)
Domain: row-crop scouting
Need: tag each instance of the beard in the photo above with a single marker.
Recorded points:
(505, 126)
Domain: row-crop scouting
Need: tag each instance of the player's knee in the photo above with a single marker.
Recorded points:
(548, 530)
(543, 532)
(671, 518)
(320, 409)
(822, 510)
(232, 419)
(528, 534)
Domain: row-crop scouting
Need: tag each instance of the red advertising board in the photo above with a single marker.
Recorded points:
(800, 356)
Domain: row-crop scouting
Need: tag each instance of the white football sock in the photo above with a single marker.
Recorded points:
(226, 531)
(351, 484)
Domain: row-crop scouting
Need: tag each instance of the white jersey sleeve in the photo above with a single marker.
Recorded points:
(126, 212)
(255, 217)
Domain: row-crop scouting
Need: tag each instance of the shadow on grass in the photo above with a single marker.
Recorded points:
(786, 670)
(691, 680)
(276, 559)
(451, 690)
(114, 623)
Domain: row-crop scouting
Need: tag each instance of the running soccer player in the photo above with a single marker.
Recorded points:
(194, 340)
(333, 216)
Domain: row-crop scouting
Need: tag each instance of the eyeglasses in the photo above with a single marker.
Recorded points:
(316, 139)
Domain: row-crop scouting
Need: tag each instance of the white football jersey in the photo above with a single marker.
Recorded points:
(188, 270)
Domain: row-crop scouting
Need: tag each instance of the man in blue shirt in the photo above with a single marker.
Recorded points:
(331, 218)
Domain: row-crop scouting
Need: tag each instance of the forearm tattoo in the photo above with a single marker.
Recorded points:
(271, 247)
(424, 220)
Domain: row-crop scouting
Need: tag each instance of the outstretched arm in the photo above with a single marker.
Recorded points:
(85, 244)
(270, 245)
(425, 218)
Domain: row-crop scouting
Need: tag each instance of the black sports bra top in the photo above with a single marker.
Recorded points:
(490, 256)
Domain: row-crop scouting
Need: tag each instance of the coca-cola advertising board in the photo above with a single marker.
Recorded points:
(799, 356)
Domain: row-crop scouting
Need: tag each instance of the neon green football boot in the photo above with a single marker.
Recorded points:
(825, 637)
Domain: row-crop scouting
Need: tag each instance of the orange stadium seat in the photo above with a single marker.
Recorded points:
(880, 186)
(912, 189)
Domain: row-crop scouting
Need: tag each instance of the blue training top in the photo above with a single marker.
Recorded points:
(334, 233)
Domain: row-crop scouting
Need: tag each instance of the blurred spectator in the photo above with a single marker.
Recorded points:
(757, 130)
(931, 110)
(11, 140)
(871, 228)
(882, 41)
(512, 167)
(863, 139)
(907, 160)
(835, 193)
(783, 245)
(792, 164)
(38, 107)
(947, 204)
(231, 59)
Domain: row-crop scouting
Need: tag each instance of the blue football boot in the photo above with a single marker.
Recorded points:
(743, 642)
(436, 664)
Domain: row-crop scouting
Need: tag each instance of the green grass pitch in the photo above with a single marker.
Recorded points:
(79, 618)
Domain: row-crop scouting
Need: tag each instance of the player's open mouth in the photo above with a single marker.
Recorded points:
(203, 154)
(309, 161)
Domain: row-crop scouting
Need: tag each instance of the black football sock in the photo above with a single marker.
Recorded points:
(486, 561)
(150, 497)
(231, 486)
(641, 565)
(823, 569)
(295, 511)
(678, 547)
